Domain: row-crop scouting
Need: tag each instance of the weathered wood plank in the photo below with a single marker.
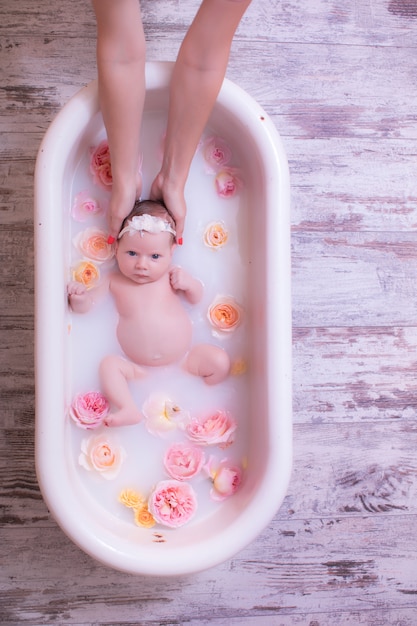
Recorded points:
(325, 102)
(354, 374)
(354, 279)
(380, 22)
(301, 562)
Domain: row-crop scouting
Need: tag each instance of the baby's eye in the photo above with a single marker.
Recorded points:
(131, 253)
(156, 256)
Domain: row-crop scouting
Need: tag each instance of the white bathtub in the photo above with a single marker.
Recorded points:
(239, 519)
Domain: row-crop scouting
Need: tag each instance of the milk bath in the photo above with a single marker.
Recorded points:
(92, 335)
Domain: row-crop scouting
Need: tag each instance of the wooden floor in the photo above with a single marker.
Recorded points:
(339, 80)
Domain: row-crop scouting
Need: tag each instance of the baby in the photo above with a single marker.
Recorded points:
(153, 327)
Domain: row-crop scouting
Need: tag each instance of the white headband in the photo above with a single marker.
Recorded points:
(148, 223)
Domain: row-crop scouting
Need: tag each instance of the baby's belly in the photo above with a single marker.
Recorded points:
(153, 344)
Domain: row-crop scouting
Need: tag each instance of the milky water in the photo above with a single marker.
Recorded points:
(93, 335)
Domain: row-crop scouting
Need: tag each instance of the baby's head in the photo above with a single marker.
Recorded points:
(148, 216)
(146, 242)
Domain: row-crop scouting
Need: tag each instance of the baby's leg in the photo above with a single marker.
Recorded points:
(115, 372)
(209, 362)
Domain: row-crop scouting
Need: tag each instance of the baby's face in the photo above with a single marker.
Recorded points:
(144, 257)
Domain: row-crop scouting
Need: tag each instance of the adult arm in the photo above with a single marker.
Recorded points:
(121, 74)
(197, 78)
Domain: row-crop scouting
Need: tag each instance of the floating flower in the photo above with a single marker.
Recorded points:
(226, 478)
(227, 182)
(225, 314)
(216, 153)
(84, 206)
(100, 165)
(131, 499)
(239, 367)
(86, 273)
(163, 415)
(144, 518)
(103, 455)
(183, 461)
(89, 410)
(215, 235)
(92, 243)
(172, 503)
(217, 429)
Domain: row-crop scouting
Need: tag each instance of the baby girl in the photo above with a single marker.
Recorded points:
(153, 327)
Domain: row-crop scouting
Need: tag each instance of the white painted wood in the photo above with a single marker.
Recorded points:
(339, 80)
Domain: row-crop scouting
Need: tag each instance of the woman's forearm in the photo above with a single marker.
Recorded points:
(121, 74)
(197, 78)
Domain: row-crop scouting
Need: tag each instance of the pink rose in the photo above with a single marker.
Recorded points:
(92, 244)
(216, 153)
(183, 461)
(89, 410)
(172, 503)
(226, 478)
(100, 165)
(217, 429)
(84, 206)
(102, 455)
(227, 182)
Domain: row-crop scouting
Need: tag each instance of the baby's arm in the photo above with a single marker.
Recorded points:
(80, 299)
(190, 286)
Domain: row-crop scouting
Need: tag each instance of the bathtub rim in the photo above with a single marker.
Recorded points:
(50, 159)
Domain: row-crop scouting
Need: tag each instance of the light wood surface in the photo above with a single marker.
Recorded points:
(339, 80)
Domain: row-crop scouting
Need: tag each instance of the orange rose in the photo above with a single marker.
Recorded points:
(225, 314)
(92, 244)
(86, 273)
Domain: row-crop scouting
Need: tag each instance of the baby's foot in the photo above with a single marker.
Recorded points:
(124, 417)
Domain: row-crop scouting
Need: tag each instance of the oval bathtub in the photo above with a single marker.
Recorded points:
(262, 387)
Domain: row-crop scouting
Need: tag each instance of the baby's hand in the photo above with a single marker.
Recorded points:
(74, 288)
(182, 281)
(78, 297)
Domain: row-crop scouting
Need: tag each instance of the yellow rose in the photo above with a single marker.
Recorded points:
(131, 499)
(144, 518)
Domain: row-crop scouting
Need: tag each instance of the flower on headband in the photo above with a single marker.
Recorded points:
(147, 223)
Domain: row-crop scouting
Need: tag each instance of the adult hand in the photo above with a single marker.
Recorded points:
(173, 198)
(122, 199)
